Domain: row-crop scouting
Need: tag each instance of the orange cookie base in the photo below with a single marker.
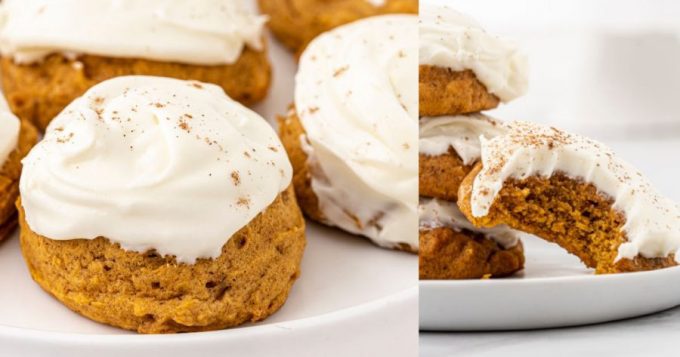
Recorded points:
(38, 92)
(296, 22)
(449, 254)
(440, 176)
(290, 131)
(447, 92)
(147, 293)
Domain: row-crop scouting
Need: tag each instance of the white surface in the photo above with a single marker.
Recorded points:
(654, 335)
(352, 299)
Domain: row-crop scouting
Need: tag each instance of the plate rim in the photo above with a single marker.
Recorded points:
(547, 280)
(37, 335)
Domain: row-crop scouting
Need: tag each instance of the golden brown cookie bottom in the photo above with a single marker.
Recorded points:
(444, 91)
(296, 22)
(566, 211)
(148, 293)
(10, 172)
(38, 92)
(290, 130)
(449, 254)
(440, 176)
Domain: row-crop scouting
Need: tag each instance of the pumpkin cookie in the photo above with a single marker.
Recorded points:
(449, 147)
(352, 134)
(464, 69)
(295, 23)
(16, 139)
(452, 248)
(48, 59)
(575, 192)
(111, 231)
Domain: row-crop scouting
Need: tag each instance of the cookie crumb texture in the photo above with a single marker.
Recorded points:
(449, 254)
(10, 172)
(565, 211)
(148, 293)
(296, 22)
(38, 92)
(440, 176)
(290, 132)
(444, 91)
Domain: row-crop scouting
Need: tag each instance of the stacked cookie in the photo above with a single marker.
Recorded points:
(462, 71)
(53, 52)
(482, 182)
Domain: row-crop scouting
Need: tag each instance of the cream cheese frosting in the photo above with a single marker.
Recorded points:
(153, 163)
(356, 96)
(436, 213)
(211, 32)
(9, 131)
(460, 132)
(652, 225)
(376, 3)
(452, 40)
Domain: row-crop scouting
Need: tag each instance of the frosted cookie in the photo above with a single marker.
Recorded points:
(52, 52)
(16, 139)
(449, 147)
(297, 22)
(575, 192)
(352, 133)
(464, 69)
(452, 248)
(159, 205)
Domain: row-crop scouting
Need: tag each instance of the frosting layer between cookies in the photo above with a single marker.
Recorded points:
(460, 132)
(9, 131)
(356, 96)
(208, 32)
(439, 213)
(153, 163)
(652, 225)
(452, 40)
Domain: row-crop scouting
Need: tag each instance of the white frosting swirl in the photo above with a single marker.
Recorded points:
(209, 32)
(452, 40)
(460, 132)
(153, 163)
(652, 221)
(356, 95)
(436, 213)
(9, 131)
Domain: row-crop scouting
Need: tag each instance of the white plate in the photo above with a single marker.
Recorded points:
(352, 299)
(555, 290)
(349, 290)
